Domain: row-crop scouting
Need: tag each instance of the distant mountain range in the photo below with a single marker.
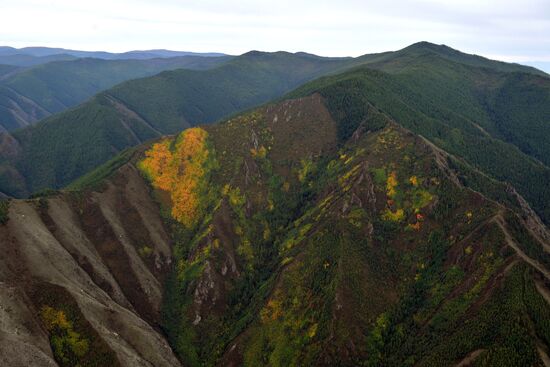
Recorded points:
(38, 55)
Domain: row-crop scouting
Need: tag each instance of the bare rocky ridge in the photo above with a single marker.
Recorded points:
(85, 245)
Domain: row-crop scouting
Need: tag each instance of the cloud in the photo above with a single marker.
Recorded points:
(336, 28)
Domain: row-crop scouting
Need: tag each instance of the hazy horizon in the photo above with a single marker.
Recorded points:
(503, 30)
(541, 65)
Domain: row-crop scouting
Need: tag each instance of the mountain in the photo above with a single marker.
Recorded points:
(493, 115)
(496, 121)
(82, 296)
(66, 145)
(29, 60)
(17, 110)
(313, 231)
(28, 56)
(423, 49)
(57, 86)
(541, 65)
(6, 69)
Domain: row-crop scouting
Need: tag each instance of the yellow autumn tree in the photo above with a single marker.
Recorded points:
(391, 184)
(156, 165)
(63, 337)
(179, 171)
(53, 318)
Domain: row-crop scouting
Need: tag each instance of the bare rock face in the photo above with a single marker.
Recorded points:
(106, 251)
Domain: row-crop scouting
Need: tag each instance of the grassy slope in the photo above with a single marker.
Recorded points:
(67, 145)
(443, 51)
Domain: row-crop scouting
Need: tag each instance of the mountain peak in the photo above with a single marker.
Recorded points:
(428, 46)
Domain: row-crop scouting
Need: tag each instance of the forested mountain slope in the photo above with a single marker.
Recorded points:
(320, 241)
(5, 69)
(67, 145)
(497, 121)
(56, 86)
(306, 232)
(468, 105)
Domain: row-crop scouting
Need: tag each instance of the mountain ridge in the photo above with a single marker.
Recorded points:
(134, 54)
(150, 104)
(56, 86)
(168, 101)
(305, 240)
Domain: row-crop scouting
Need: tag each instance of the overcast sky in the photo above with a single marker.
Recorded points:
(510, 30)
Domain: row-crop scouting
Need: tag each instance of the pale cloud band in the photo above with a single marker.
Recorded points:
(502, 29)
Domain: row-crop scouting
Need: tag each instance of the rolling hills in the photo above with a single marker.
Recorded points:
(317, 230)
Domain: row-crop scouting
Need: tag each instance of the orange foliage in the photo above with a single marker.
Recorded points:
(156, 165)
(272, 311)
(179, 171)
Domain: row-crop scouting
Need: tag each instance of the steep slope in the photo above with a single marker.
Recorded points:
(88, 264)
(56, 86)
(67, 145)
(289, 235)
(300, 246)
(17, 111)
(498, 122)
